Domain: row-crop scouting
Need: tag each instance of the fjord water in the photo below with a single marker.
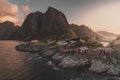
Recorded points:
(16, 65)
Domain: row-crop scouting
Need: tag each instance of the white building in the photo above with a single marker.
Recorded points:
(34, 41)
(50, 41)
(64, 46)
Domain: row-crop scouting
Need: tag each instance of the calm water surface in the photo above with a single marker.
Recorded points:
(16, 65)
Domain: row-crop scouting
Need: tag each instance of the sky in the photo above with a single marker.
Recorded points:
(97, 14)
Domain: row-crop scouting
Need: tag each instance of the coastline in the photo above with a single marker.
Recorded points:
(85, 65)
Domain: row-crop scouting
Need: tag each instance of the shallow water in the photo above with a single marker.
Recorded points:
(16, 65)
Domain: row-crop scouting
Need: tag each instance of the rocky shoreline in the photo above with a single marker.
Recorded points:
(88, 63)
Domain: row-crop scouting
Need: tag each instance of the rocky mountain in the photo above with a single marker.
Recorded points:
(49, 25)
(7, 29)
(83, 31)
(42, 26)
(106, 34)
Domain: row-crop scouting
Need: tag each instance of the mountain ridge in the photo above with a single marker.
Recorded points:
(51, 24)
(106, 33)
(7, 29)
(83, 31)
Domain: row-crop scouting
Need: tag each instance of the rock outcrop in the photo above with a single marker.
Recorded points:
(51, 24)
(30, 48)
(105, 67)
(49, 52)
(59, 56)
(73, 61)
(98, 67)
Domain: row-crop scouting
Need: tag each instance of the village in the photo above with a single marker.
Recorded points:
(77, 46)
(74, 53)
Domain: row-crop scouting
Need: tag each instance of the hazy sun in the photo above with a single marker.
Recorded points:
(105, 17)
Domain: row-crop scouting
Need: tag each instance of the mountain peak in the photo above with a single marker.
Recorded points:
(53, 10)
(50, 8)
(49, 25)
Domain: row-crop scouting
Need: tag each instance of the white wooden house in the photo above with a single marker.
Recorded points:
(64, 46)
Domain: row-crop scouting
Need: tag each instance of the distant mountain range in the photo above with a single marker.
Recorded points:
(83, 31)
(42, 26)
(106, 34)
(7, 29)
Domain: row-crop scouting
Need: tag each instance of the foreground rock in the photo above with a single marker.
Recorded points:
(114, 78)
(59, 56)
(113, 70)
(72, 61)
(49, 52)
(105, 67)
(29, 48)
(98, 67)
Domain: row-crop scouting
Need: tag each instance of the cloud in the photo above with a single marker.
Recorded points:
(26, 9)
(10, 18)
(7, 8)
(12, 12)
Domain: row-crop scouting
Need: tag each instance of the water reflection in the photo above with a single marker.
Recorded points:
(16, 65)
(13, 64)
